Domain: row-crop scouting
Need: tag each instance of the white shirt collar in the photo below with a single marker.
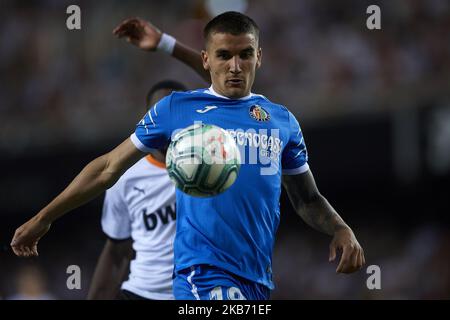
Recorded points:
(214, 93)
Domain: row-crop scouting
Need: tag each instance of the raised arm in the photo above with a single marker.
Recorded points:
(96, 177)
(147, 37)
(319, 214)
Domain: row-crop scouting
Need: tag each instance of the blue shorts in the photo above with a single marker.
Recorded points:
(206, 282)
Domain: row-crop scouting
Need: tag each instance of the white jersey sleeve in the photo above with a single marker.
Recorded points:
(116, 222)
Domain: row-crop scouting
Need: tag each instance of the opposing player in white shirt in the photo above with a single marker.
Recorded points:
(139, 214)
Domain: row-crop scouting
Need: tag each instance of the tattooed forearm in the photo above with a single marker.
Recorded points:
(320, 215)
(311, 205)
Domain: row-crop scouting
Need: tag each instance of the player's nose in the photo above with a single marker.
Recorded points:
(235, 64)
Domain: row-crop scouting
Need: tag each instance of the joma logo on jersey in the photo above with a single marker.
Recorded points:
(165, 215)
(258, 113)
(206, 109)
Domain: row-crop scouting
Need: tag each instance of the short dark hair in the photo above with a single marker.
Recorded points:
(231, 22)
(165, 84)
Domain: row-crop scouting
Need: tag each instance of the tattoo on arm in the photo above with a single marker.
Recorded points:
(320, 215)
(312, 207)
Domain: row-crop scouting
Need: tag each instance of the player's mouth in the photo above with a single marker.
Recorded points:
(235, 82)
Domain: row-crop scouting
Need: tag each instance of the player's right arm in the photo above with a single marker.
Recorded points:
(146, 36)
(95, 178)
(152, 132)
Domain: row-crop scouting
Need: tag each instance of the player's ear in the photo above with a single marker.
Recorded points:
(205, 60)
(258, 58)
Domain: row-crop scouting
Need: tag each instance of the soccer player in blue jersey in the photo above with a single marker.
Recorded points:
(223, 244)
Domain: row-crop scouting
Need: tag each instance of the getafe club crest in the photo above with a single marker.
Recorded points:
(258, 113)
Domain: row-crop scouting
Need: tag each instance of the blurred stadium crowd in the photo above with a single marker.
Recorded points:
(64, 92)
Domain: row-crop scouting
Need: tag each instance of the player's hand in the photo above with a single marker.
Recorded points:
(139, 32)
(352, 258)
(26, 237)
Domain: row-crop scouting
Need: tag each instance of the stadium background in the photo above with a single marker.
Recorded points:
(374, 107)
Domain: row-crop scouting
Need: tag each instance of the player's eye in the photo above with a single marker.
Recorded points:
(246, 55)
(224, 55)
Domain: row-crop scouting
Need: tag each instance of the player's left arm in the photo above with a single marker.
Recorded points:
(317, 212)
(312, 206)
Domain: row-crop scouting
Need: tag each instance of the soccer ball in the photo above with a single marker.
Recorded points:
(203, 160)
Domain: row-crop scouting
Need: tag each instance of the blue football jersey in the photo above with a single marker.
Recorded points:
(234, 230)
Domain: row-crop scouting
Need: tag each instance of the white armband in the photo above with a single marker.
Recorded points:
(166, 44)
